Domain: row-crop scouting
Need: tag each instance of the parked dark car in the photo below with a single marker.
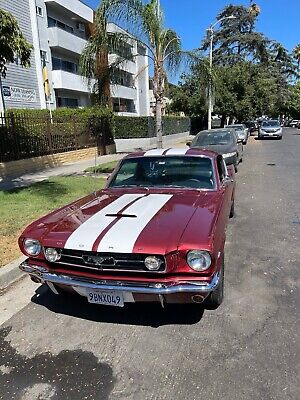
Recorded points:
(224, 141)
(252, 126)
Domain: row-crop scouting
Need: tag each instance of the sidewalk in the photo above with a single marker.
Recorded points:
(68, 169)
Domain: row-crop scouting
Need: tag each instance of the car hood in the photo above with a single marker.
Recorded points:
(130, 222)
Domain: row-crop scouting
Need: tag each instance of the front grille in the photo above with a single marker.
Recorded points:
(107, 261)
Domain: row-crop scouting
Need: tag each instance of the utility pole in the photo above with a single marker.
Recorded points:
(210, 31)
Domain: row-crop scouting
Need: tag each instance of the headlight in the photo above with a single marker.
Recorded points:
(153, 263)
(227, 155)
(198, 260)
(32, 247)
(52, 255)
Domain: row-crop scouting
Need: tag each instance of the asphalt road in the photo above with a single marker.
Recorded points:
(247, 349)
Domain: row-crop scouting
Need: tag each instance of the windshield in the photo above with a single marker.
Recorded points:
(270, 123)
(213, 138)
(175, 171)
(237, 127)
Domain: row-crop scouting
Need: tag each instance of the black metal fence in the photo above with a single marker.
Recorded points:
(23, 136)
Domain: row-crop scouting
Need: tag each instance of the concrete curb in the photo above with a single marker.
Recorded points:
(10, 273)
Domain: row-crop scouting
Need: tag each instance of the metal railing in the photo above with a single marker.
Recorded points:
(23, 136)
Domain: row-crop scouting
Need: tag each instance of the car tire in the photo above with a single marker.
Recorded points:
(241, 160)
(244, 142)
(215, 299)
(231, 214)
(235, 168)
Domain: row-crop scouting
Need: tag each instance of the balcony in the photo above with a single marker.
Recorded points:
(128, 66)
(69, 81)
(74, 7)
(63, 40)
(123, 92)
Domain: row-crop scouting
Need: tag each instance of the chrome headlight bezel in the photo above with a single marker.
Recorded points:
(199, 260)
(153, 263)
(52, 254)
(228, 155)
(32, 247)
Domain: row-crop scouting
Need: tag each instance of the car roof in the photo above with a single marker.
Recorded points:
(226, 129)
(175, 151)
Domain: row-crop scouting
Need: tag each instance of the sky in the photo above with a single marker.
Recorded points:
(279, 19)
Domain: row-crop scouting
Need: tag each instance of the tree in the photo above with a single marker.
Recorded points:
(94, 61)
(296, 53)
(145, 21)
(13, 44)
(236, 40)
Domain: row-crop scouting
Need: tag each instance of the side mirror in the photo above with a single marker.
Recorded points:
(188, 144)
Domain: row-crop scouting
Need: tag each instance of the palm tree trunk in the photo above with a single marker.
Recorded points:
(158, 123)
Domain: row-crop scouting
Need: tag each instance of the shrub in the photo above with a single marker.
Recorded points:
(143, 127)
(173, 125)
(131, 127)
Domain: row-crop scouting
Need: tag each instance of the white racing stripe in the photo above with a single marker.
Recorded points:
(86, 234)
(177, 152)
(122, 236)
(154, 152)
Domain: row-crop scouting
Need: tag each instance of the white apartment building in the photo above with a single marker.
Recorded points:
(58, 30)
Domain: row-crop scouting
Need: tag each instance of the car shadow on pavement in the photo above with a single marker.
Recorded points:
(47, 375)
(143, 314)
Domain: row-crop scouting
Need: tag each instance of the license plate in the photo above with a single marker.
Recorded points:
(108, 298)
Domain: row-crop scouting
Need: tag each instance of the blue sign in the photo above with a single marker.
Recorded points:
(6, 91)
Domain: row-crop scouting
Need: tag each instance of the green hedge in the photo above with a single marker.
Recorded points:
(173, 125)
(131, 127)
(86, 119)
(62, 112)
(143, 127)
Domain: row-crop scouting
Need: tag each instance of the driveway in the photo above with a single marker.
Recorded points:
(247, 349)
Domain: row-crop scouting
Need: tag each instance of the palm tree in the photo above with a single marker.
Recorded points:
(145, 22)
(94, 63)
(296, 53)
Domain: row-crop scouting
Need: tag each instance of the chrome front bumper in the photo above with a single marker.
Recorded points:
(43, 276)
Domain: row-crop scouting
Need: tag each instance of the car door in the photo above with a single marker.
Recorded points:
(240, 148)
(226, 187)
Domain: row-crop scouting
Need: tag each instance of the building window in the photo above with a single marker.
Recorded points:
(63, 65)
(80, 26)
(66, 102)
(123, 78)
(123, 105)
(39, 11)
(54, 22)
(44, 56)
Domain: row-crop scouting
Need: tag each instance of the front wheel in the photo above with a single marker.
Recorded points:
(235, 168)
(215, 299)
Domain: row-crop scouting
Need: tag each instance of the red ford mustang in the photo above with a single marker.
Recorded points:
(156, 232)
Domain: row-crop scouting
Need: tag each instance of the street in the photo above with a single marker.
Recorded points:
(248, 348)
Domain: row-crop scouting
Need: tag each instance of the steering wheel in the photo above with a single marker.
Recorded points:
(194, 180)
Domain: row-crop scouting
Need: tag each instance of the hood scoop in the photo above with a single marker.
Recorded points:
(121, 215)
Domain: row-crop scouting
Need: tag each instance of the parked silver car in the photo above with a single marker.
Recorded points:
(241, 130)
(271, 128)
